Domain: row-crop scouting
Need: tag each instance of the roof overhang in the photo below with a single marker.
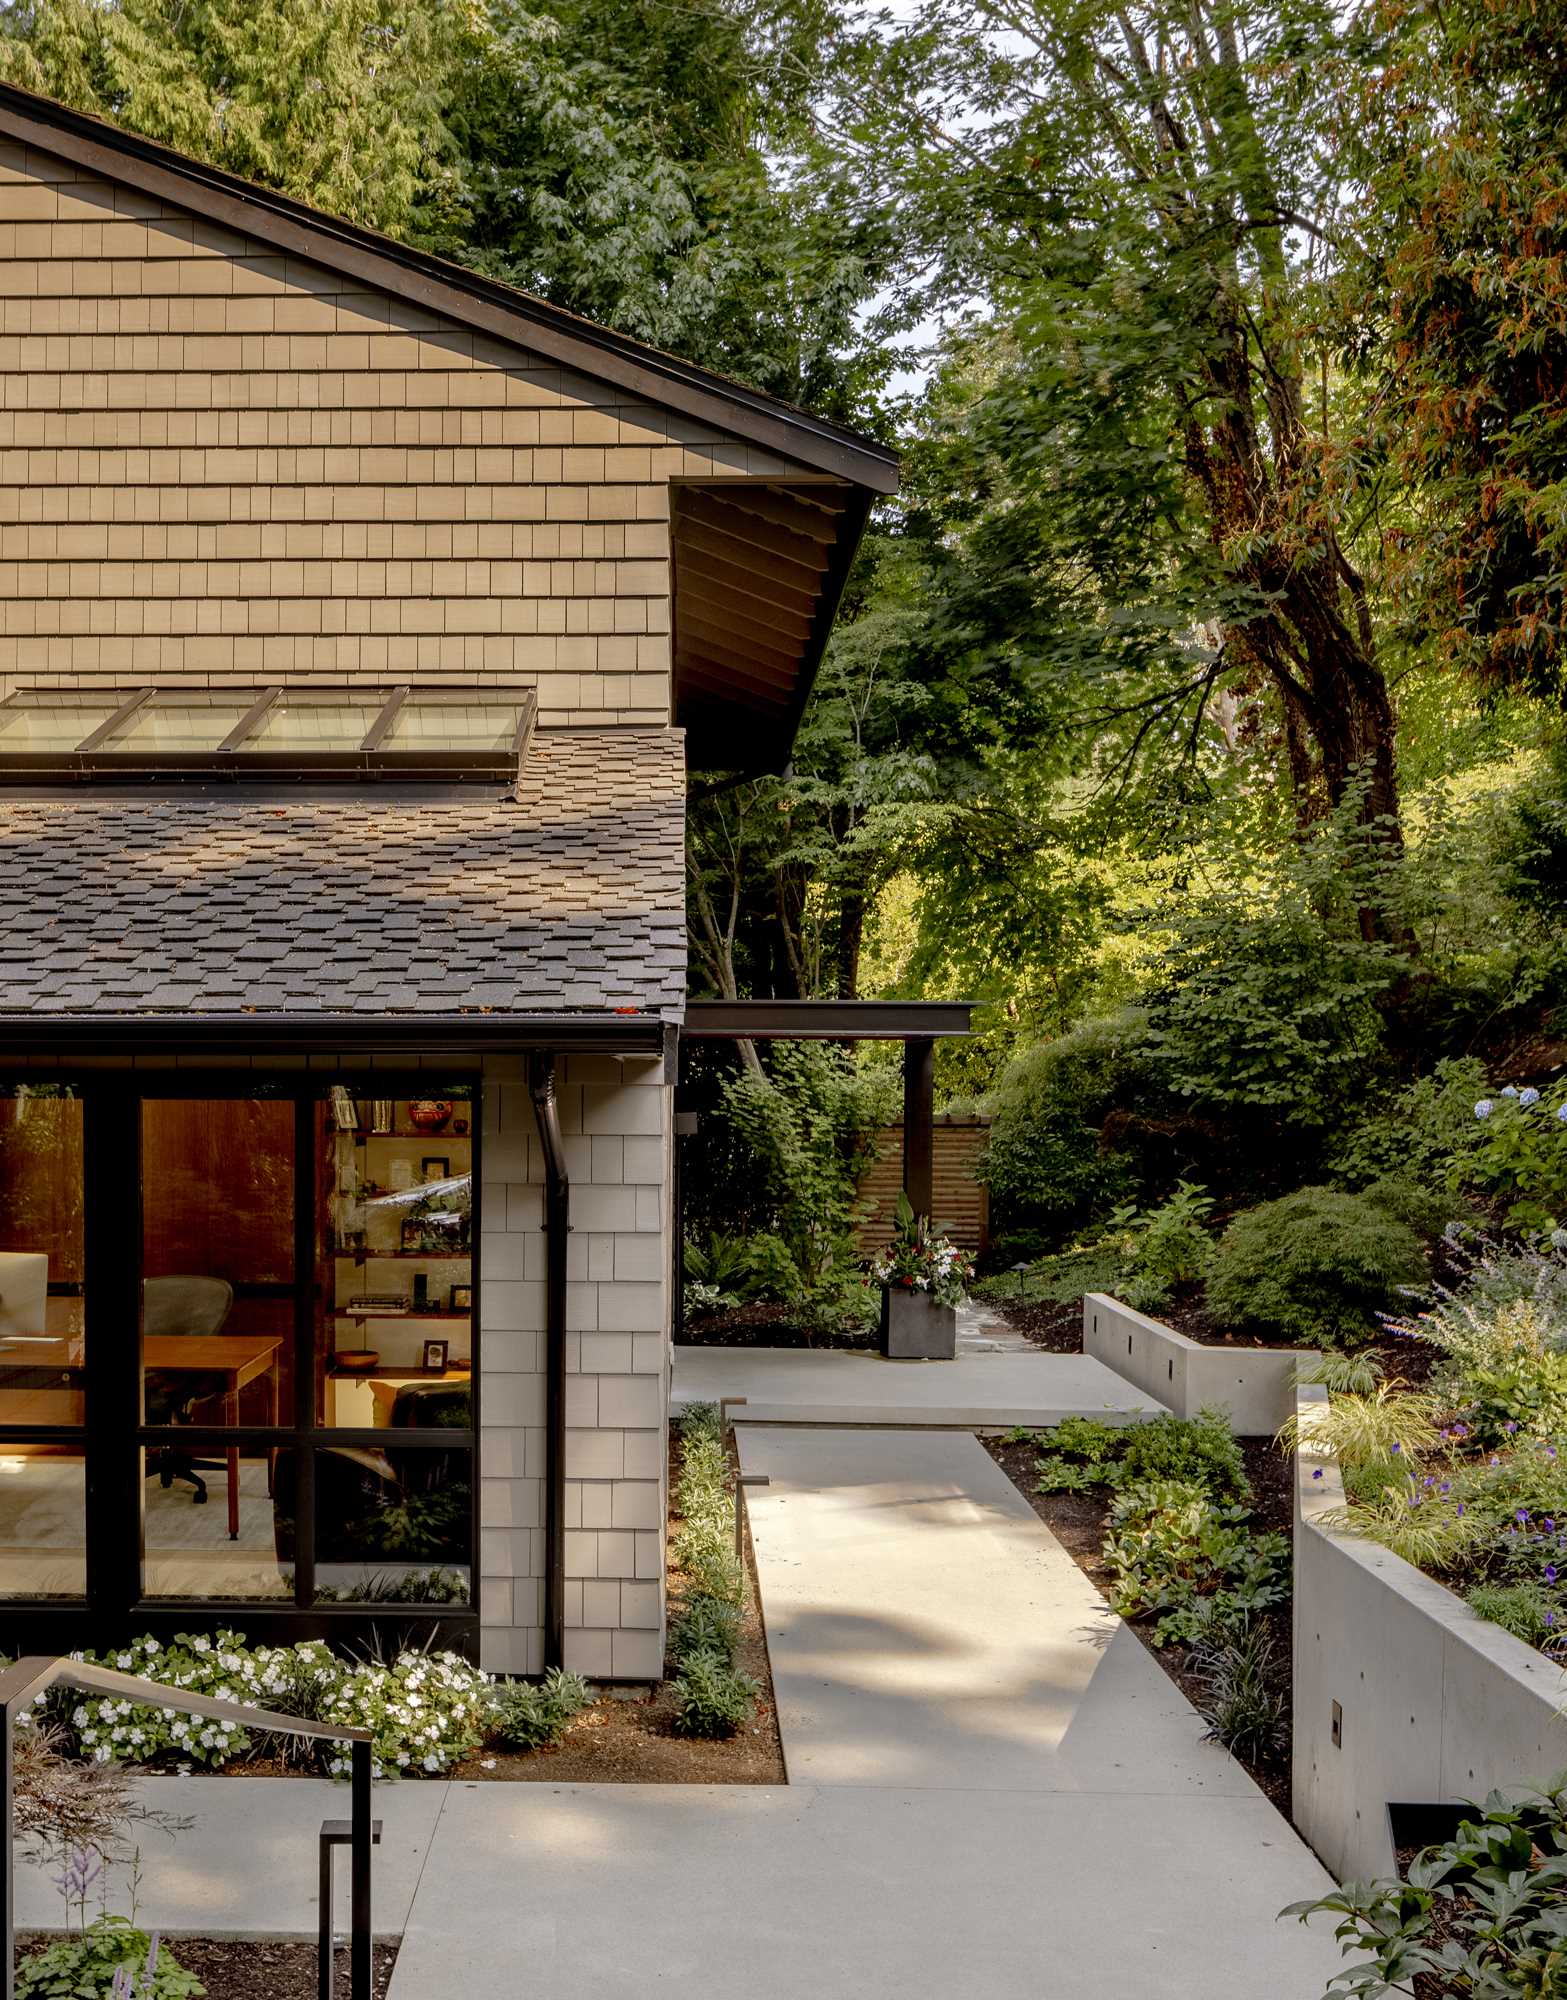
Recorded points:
(825, 1020)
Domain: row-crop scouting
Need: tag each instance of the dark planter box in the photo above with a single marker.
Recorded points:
(915, 1328)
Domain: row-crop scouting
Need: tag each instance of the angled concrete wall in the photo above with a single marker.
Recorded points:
(1255, 1385)
(1434, 1703)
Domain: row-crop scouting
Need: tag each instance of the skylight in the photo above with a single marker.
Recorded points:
(416, 732)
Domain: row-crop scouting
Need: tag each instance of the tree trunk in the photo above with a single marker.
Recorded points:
(851, 936)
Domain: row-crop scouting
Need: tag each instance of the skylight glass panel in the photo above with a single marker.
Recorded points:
(434, 722)
(178, 723)
(398, 731)
(50, 722)
(310, 722)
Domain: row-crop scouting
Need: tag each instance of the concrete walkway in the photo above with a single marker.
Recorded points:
(977, 1391)
(993, 1792)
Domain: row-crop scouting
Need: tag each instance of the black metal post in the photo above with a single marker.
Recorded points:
(324, 1955)
(919, 1110)
(361, 1936)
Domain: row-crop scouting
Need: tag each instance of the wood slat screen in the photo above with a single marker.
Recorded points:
(961, 1205)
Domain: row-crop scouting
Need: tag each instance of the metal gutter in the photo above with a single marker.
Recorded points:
(631, 1033)
(557, 1227)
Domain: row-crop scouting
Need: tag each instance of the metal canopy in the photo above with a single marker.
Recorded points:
(825, 1020)
(918, 1024)
(408, 731)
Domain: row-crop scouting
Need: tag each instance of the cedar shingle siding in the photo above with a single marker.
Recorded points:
(222, 464)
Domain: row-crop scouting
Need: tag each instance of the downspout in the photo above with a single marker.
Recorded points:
(557, 1226)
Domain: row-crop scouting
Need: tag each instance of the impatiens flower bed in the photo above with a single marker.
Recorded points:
(425, 1711)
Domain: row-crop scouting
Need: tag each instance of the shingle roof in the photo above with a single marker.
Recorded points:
(359, 901)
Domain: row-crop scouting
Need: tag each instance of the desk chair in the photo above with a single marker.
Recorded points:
(182, 1305)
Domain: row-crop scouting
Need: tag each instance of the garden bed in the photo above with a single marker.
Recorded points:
(766, 1323)
(251, 1968)
(629, 1738)
(1079, 1521)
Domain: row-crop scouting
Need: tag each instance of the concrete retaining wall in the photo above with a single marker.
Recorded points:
(1433, 1703)
(1256, 1385)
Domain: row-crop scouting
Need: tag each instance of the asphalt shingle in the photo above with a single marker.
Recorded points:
(568, 897)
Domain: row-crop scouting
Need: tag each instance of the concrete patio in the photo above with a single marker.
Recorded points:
(977, 1391)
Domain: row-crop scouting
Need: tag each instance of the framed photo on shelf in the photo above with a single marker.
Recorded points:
(415, 1233)
(433, 1168)
(435, 1356)
(461, 1299)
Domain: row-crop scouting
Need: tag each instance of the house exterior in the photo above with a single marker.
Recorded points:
(359, 620)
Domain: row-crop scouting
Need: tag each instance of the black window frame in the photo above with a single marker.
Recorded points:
(114, 1608)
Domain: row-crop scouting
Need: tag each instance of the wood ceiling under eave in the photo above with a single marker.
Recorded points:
(758, 570)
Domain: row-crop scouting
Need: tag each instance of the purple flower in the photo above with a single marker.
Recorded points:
(1317, 1474)
(1550, 1572)
(1484, 1108)
(1511, 1425)
(1494, 1459)
(1397, 1448)
(1529, 1095)
(1550, 1617)
(1522, 1516)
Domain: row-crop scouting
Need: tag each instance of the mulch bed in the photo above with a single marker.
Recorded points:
(629, 1738)
(761, 1324)
(1077, 1520)
(248, 1969)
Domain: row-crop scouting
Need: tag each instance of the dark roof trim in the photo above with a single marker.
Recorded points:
(824, 1020)
(68, 1035)
(442, 287)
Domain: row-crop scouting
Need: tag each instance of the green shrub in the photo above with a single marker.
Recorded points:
(703, 1546)
(1174, 1556)
(705, 1625)
(1167, 1246)
(1199, 1450)
(1501, 1332)
(712, 1698)
(1315, 1267)
(84, 1965)
(1425, 1208)
(1481, 1915)
(810, 1124)
(525, 1715)
(1422, 1134)
(1043, 1162)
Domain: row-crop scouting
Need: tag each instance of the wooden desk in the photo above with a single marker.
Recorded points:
(240, 1358)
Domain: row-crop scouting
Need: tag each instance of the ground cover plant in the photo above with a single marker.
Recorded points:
(1163, 1516)
(1179, 1549)
(713, 1698)
(1483, 1914)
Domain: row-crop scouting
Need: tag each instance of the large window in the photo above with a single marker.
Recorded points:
(277, 1410)
(43, 1345)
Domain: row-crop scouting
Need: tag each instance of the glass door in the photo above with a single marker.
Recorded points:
(219, 1306)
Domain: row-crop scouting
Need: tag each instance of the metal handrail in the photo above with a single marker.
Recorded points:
(22, 1683)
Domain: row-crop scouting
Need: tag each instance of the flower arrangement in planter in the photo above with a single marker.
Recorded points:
(924, 1279)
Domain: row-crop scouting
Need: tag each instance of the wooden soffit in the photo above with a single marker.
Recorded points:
(759, 566)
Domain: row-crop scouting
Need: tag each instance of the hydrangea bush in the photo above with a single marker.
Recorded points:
(1523, 1154)
(425, 1711)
